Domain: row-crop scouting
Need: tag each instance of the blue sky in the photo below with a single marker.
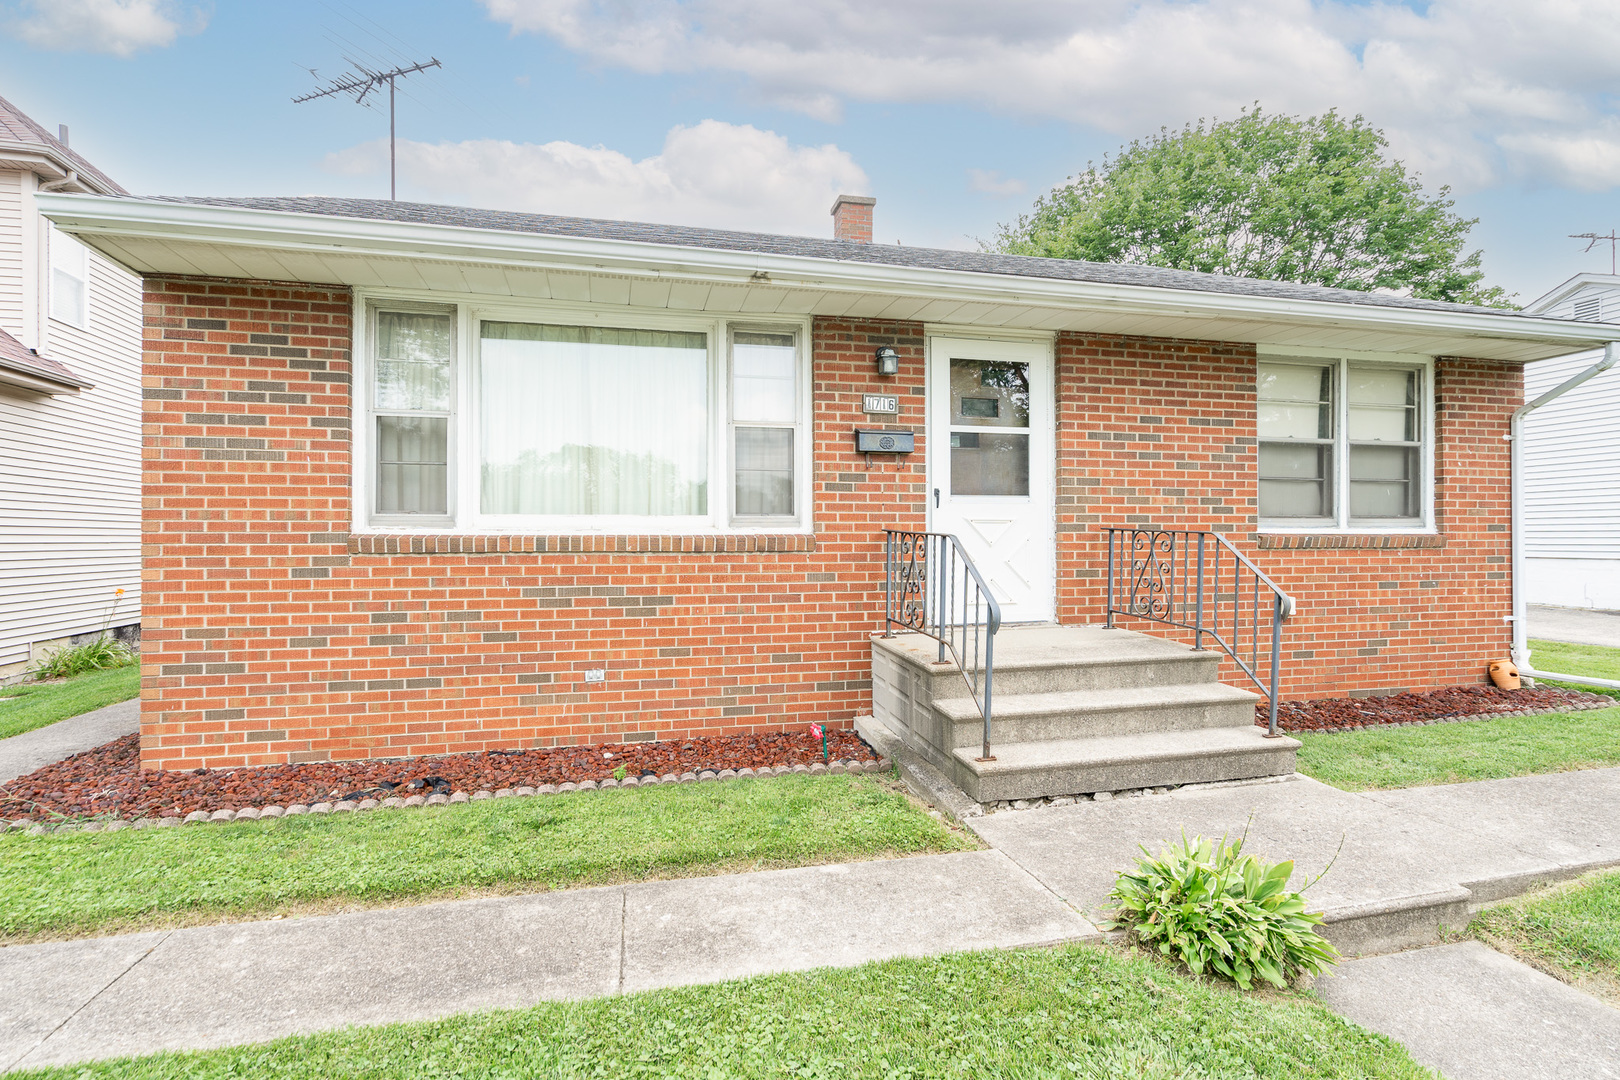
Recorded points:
(751, 114)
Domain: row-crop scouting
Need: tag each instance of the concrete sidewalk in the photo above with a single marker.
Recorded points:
(1404, 863)
(1581, 626)
(1474, 1014)
(1407, 862)
(22, 754)
(221, 985)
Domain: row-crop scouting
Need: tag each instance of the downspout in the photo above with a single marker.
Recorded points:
(67, 181)
(1521, 648)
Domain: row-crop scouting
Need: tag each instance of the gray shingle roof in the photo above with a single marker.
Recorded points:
(17, 126)
(840, 250)
(15, 356)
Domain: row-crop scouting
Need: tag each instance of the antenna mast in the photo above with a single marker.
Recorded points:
(1595, 238)
(364, 83)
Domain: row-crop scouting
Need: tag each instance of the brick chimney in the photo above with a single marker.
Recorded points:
(852, 218)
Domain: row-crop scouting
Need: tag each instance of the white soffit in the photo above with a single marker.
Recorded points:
(172, 238)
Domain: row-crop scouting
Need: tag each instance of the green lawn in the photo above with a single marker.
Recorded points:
(31, 705)
(1596, 660)
(1401, 757)
(66, 884)
(1071, 1012)
(1571, 931)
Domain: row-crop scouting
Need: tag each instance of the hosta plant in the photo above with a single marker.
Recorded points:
(1208, 905)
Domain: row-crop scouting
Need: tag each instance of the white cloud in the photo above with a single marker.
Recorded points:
(991, 182)
(120, 27)
(711, 174)
(1468, 90)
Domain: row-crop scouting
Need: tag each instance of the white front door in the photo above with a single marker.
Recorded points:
(992, 465)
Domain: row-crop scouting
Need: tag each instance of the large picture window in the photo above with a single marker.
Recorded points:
(1342, 444)
(555, 425)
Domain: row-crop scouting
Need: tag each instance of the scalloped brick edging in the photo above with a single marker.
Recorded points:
(255, 813)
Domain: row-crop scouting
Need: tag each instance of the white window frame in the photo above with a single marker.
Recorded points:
(60, 246)
(1341, 524)
(465, 516)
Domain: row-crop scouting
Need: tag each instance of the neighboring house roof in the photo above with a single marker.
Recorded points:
(20, 135)
(811, 247)
(1580, 283)
(23, 367)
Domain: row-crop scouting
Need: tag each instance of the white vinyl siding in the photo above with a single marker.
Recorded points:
(1572, 463)
(70, 502)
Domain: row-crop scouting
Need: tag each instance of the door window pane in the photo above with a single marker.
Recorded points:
(1383, 482)
(762, 377)
(989, 463)
(411, 464)
(413, 361)
(764, 465)
(989, 393)
(590, 420)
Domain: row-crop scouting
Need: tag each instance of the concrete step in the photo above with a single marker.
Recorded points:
(1027, 770)
(1077, 714)
(1048, 659)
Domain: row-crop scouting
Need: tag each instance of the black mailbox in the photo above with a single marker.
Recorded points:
(884, 442)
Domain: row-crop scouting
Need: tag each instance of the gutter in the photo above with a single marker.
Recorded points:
(1521, 647)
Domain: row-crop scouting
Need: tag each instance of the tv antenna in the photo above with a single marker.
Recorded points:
(362, 82)
(1595, 239)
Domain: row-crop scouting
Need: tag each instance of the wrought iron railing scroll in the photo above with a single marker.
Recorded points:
(1200, 582)
(931, 587)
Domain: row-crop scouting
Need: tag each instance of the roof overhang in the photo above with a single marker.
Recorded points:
(45, 162)
(160, 237)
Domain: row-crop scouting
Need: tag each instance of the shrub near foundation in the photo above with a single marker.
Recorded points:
(1213, 908)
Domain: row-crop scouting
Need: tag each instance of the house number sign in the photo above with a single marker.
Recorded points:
(880, 404)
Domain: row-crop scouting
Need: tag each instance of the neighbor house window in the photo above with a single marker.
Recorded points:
(563, 426)
(70, 279)
(1342, 444)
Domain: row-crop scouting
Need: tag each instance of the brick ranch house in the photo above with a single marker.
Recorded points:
(424, 479)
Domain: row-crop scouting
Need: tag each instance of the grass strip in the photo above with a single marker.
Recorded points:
(67, 884)
(1399, 757)
(30, 705)
(1571, 931)
(1073, 1012)
(1571, 659)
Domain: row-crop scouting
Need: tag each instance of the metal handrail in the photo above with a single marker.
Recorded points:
(921, 575)
(1171, 578)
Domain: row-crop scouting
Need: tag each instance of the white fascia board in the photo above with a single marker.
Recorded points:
(90, 216)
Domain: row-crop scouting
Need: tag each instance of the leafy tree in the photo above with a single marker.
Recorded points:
(1286, 198)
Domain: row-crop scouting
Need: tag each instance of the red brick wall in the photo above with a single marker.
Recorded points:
(1162, 432)
(272, 634)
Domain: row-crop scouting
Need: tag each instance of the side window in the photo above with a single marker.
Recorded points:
(411, 408)
(70, 279)
(764, 424)
(1341, 444)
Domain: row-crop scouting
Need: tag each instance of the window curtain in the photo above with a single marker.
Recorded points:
(594, 421)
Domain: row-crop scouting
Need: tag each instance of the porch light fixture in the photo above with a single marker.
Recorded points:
(888, 361)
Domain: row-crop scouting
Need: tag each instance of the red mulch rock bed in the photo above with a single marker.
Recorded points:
(1433, 707)
(108, 781)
